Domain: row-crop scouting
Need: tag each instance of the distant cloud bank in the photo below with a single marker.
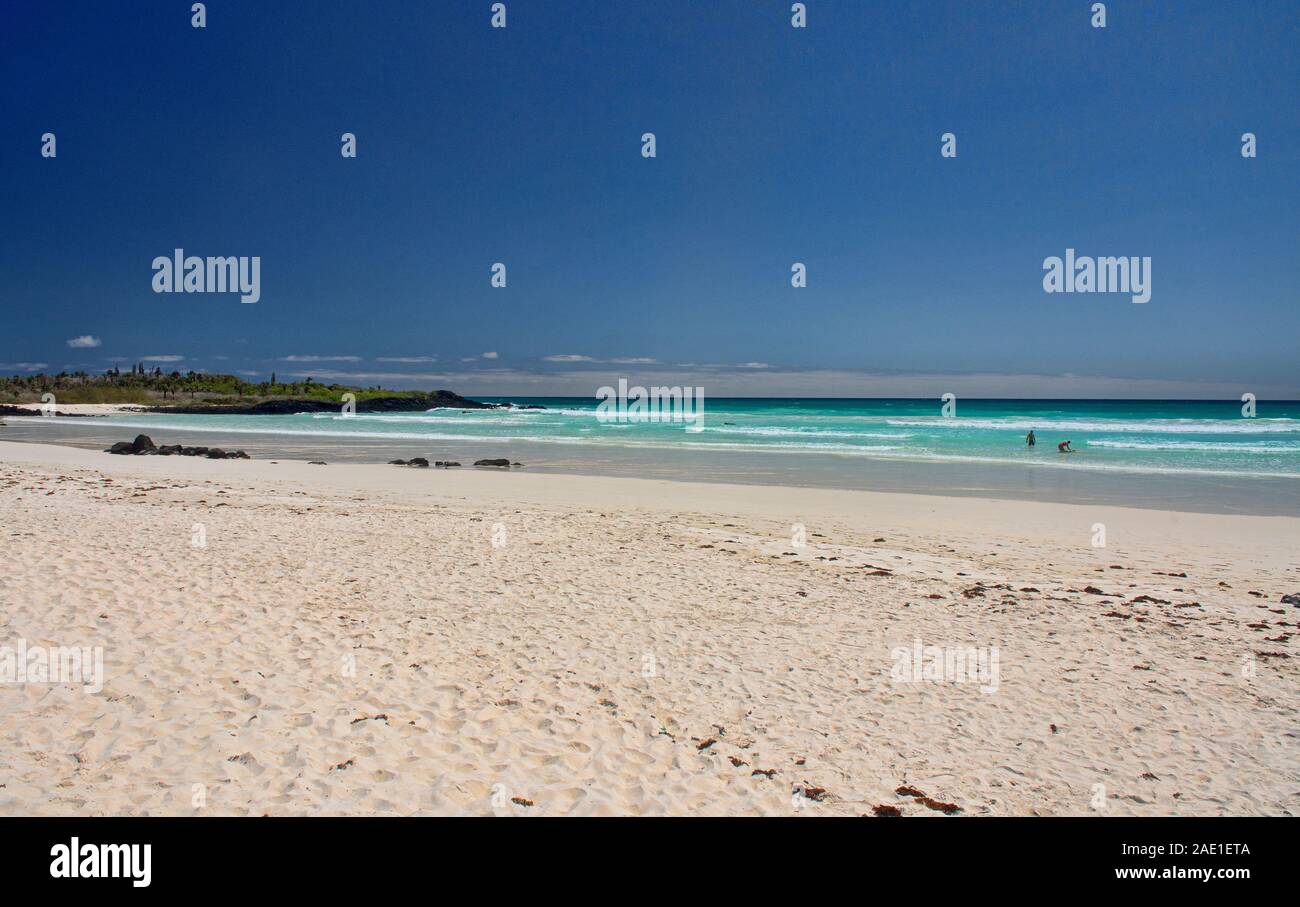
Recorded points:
(320, 359)
(750, 380)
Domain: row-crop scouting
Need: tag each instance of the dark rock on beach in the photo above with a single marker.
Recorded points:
(502, 461)
(143, 445)
(396, 462)
(1291, 600)
(419, 461)
(445, 464)
(416, 402)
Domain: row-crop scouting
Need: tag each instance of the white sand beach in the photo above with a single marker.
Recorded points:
(281, 638)
(85, 409)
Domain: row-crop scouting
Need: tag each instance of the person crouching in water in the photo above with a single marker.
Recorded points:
(1064, 447)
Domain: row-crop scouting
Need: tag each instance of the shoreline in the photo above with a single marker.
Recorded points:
(1028, 481)
(1028, 517)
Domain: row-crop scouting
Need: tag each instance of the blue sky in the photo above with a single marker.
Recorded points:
(774, 145)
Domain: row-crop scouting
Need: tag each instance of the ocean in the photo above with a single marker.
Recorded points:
(1157, 453)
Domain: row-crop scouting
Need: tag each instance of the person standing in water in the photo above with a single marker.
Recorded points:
(1030, 440)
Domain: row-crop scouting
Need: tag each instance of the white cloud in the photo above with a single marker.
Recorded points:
(320, 359)
(85, 341)
(621, 360)
(489, 355)
(410, 359)
(23, 366)
(753, 365)
(162, 358)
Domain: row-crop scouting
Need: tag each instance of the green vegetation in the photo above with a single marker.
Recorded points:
(157, 388)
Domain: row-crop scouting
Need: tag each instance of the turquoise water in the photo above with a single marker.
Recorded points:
(1179, 437)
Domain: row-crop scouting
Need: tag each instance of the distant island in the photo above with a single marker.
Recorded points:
(202, 392)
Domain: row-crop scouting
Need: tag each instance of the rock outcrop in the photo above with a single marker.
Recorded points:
(143, 445)
(406, 403)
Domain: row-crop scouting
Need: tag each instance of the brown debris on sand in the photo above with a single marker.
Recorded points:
(939, 805)
(921, 797)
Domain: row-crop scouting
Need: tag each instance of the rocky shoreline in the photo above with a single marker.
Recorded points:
(422, 463)
(143, 445)
(288, 407)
